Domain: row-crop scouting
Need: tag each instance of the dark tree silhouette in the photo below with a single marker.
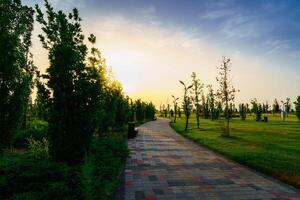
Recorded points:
(73, 113)
(43, 102)
(16, 66)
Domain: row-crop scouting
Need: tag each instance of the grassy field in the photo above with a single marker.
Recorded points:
(271, 147)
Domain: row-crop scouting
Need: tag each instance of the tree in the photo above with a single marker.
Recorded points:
(175, 107)
(16, 66)
(196, 92)
(297, 107)
(266, 107)
(72, 83)
(254, 105)
(276, 107)
(247, 108)
(256, 109)
(140, 112)
(288, 106)
(258, 112)
(226, 92)
(150, 111)
(243, 111)
(205, 106)
(171, 113)
(218, 110)
(179, 112)
(168, 110)
(211, 101)
(186, 104)
(42, 103)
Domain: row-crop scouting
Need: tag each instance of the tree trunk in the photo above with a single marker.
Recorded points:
(186, 123)
(198, 121)
(227, 128)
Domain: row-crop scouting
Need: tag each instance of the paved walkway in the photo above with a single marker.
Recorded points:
(164, 165)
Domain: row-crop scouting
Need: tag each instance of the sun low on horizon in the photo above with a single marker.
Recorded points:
(151, 45)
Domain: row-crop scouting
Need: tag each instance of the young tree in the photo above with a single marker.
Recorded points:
(211, 101)
(256, 109)
(243, 111)
(179, 112)
(73, 113)
(254, 105)
(247, 108)
(226, 92)
(171, 113)
(265, 108)
(205, 106)
(187, 104)
(16, 66)
(258, 113)
(287, 106)
(175, 107)
(276, 107)
(168, 110)
(231, 110)
(218, 110)
(197, 87)
(297, 107)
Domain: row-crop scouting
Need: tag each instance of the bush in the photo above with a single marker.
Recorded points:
(39, 149)
(37, 129)
(23, 177)
(297, 107)
(102, 167)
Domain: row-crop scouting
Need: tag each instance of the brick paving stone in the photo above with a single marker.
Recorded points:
(163, 165)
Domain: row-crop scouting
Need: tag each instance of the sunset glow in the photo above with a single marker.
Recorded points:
(150, 49)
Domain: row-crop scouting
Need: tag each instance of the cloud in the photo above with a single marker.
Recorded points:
(149, 15)
(277, 46)
(68, 5)
(149, 10)
(216, 14)
(149, 60)
(240, 27)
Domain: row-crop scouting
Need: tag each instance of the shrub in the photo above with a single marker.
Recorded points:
(39, 149)
(23, 177)
(297, 106)
(101, 168)
(37, 129)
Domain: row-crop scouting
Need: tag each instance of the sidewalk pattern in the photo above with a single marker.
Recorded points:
(164, 165)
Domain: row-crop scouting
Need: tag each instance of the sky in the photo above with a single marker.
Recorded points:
(151, 45)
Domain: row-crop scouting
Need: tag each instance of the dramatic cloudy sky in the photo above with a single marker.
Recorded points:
(150, 45)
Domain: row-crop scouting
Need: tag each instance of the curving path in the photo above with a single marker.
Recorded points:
(164, 165)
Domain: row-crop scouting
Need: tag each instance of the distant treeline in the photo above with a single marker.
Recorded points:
(220, 103)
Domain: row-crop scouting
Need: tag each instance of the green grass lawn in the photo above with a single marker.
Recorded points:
(271, 147)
